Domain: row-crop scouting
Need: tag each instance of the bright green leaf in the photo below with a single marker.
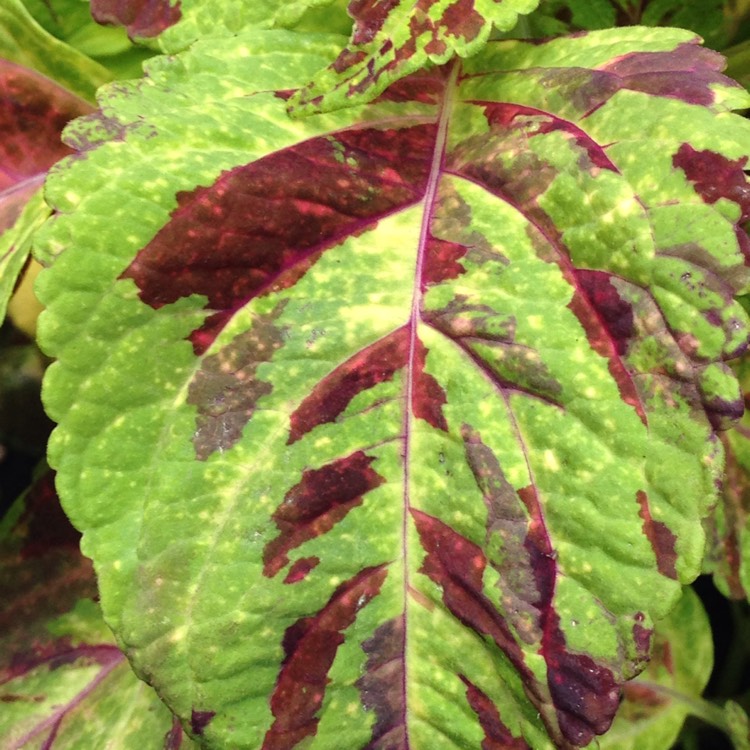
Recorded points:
(409, 409)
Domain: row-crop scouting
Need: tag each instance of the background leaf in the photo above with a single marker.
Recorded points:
(64, 684)
(33, 112)
(394, 399)
(25, 42)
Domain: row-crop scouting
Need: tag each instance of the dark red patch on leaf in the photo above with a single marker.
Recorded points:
(299, 570)
(33, 112)
(383, 687)
(173, 738)
(585, 694)
(142, 18)
(457, 565)
(199, 720)
(496, 735)
(714, 176)
(686, 73)
(260, 226)
(609, 324)
(642, 637)
(226, 389)
(310, 646)
(442, 261)
(536, 122)
(375, 364)
(317, 503)
(661, 538)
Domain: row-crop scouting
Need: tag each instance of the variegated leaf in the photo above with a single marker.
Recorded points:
(393, 38)
(395, 427)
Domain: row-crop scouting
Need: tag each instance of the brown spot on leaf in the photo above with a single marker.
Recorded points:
(507, 520)
(317, 503)
(661, 538)
(714, 176)
(199, 720)
(226, 389)
(141, 18)
(260, 226)
(496, 735)
(382, 685)
(310, 646)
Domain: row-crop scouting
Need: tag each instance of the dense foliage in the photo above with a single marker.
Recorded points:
(396, 354)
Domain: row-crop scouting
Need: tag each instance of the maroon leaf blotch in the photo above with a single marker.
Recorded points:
(457, 565)
(317, 503)
(608, 322)
(260, 226)
(714, 176)
(142, 18)
(199, 720)
(375, 364)
(661, 538)
(310, 646)
(585, 694)
(686, 73)
(383, 687)
(33, 112)
(496, 735)
(299, 569)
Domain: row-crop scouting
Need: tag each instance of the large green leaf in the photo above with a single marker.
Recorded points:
(397, 425)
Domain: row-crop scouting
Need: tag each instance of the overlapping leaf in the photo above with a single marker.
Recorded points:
(64, 684)
(173, 25)
(33, 112)
(729, 552)
(657, 703)
(395, 426)
(394, 38)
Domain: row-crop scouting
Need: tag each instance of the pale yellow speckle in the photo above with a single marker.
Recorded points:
(535, 322)
(591, 392)
(322, 442)
(117, 564)
(550, 461)
(178, 634)
(586, 567)
(352, 709)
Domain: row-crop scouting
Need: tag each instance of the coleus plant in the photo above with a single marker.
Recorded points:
(388, 403)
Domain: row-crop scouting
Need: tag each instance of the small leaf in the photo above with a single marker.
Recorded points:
(657, 703)
(438, 376)
(394, 38)
(739, 725)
